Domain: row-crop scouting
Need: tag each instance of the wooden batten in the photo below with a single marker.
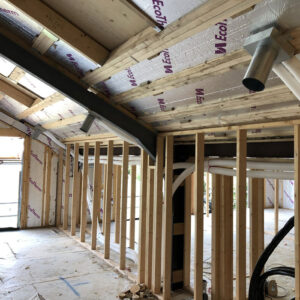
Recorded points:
(132, 207)
(96, 195)
(25, 181)
(149, 227)
(48, 186)
(67, 187)
(107, 198)
(157, 217)
(187, 234)
(76, 187)
(297, 209)
(168, 216)
(124, 206)
(84, 192)
(118, 205)
(199, 169)
(241, 214)
(59, 187)
(142, 221)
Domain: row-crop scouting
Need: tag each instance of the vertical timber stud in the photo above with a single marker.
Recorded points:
(84, 192)
(67, 187)
(75, 189)
(25, 181)
(199, 168)
(216, 234)
(118, 206)
(297, 210)
(207, 194)
(124, 206)
(157, 215)
(132, 207)
(96, 195)
(59, 187)
(241, 214)
(48, 187)
(114, 197)
(187, 233)
(276, 205)
(142, 221)
(44, 186)
(149, 227)
(107, 198)
(103, 202)
(168, 215)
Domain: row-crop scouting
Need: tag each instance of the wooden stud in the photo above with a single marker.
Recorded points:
(59, 187)
(103, 201)
(124, 206)
(84, 192)
(187, 233)
(142, 218)
(118, 206)
(44, 186)
(216, 241)
(149, 227)
(75, 192)
(241, 214)
(48, 186)
(168, 216)
(276, 206)
(67, 188)
(107, 198)
(113, 217)
(199, 169)
(207, 194)
(78, 206)
(297, 210)
(96, 195)
(25, 181)
(256, 199)
(157, 217)
(132, 207)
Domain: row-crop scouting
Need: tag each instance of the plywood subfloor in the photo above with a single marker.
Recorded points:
(46, 264)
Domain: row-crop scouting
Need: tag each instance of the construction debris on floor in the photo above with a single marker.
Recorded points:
(137, 291)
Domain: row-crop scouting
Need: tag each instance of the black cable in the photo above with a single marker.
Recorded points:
(257, 282)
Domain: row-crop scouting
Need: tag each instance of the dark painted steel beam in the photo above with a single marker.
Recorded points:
(97, 106)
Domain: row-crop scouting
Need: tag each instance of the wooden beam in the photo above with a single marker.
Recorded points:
(132, 207)
(62, 29)
(114, 196)
(16, 93)
(11, 132)
(124, 206)
(64, 122)
(107, 198)
(44, 41)
(96, 196)
(104, 202)
(48, 186)
(75, 192)
(207, 194)
(84, 191)
(241, 214)
(149, 43)
(59, 186)
(157, 217)
(149, 227)
(142, 218)
(297, 210)
(187, 233)
(168, 216)
(215, 66)
(25, 182)
(90, 138)
(199, 228)
(67, 187)
(276, 206)
(17, 74)
(44, 186)
(118, 206)
(40, 105)
(256, 199)
(216, 274)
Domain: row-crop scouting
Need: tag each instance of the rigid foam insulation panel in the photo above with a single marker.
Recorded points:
(36, 185)
(285, 193)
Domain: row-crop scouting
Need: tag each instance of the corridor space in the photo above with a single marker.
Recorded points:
(47, 264)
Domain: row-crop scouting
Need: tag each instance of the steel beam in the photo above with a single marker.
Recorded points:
(96, 106)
